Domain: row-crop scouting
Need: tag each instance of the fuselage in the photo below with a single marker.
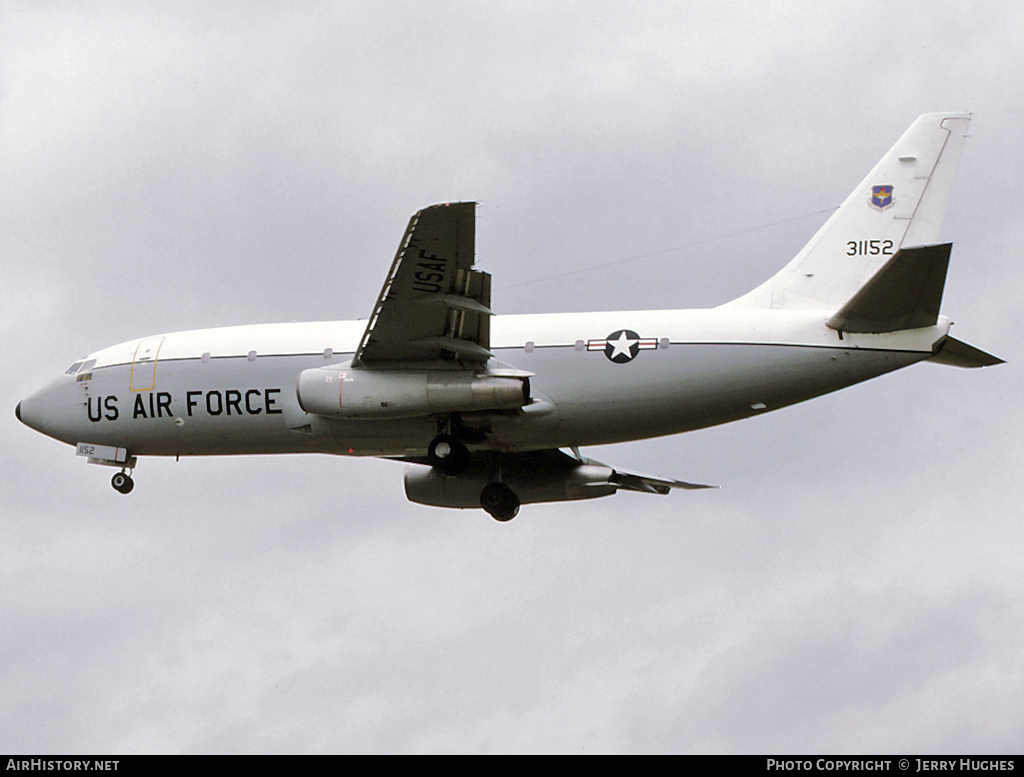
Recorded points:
(597, 378)
(490, 404)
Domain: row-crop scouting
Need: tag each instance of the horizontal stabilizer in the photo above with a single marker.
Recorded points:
(957, 353)
(904, 294)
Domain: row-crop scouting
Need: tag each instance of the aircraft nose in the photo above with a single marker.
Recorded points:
(26, 412)
(49, 411)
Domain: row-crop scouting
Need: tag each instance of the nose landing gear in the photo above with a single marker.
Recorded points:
(122, 482)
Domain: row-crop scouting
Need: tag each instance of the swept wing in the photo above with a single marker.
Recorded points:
(434, 306)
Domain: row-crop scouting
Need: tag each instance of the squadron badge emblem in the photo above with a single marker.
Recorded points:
(881, 197)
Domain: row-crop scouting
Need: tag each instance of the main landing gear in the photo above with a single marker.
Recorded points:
(449, 455)
(122, 482)
(500, 501)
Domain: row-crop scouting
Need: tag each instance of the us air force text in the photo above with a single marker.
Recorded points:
(150, 404)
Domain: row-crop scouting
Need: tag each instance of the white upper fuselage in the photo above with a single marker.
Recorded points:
(232, 390)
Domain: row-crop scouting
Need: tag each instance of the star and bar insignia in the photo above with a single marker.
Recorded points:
(623, 345)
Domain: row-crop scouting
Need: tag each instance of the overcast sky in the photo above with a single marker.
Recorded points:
(856, 584)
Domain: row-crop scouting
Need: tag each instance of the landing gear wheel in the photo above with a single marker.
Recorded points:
(448, 455)
(122, 483)
(499, 501)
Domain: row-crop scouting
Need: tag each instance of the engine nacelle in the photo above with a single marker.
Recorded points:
(427, 486)
(362, 393)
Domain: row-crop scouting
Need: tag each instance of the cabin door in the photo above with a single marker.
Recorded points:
(144, 364)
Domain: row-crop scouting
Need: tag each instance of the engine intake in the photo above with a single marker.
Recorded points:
(361, 393)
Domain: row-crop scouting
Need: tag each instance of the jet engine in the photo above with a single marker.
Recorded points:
(362, 393)
(427, 486)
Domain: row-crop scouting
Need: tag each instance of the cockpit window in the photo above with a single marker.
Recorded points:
(82, 366)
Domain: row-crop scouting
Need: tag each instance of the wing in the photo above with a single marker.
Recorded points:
(534, 476)
(652, 485)
(433, 306)
(646, 484)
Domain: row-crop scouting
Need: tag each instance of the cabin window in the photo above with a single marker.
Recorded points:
(529, 346)
(205, 357)
(663, 343)
(579, 345)
(328, 353)
(251, 356)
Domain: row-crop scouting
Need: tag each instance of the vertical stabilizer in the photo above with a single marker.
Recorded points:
(900, 204)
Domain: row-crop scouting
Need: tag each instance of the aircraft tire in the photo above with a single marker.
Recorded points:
(500, 501)
(448, 455)
(122, 483)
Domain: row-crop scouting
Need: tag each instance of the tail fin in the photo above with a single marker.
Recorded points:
(900, 204)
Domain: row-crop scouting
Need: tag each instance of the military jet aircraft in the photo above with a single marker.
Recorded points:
(491, 411)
